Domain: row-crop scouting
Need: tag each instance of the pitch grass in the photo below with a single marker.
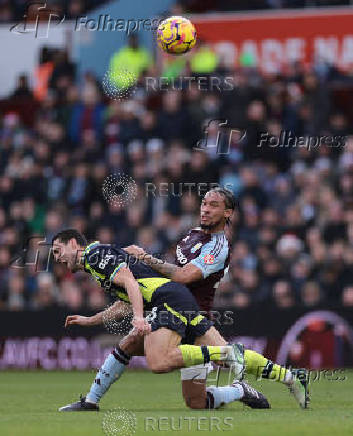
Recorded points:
(29, 403)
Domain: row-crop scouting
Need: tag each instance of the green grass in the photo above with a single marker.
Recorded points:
(29, 403)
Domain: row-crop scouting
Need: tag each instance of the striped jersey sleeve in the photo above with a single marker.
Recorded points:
(103, 261)
(213, 256)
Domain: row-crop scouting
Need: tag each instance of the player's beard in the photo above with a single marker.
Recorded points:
(210, 226)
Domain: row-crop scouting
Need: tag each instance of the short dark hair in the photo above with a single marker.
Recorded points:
(68, 234)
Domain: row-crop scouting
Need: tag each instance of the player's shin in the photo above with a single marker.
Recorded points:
(296, 380)
(111, 370)
(195, 355)
(263, 368)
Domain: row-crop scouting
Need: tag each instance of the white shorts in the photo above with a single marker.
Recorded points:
(196, 372)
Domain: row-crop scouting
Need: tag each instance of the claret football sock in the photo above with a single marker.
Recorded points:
(112, 368)
(261, 367)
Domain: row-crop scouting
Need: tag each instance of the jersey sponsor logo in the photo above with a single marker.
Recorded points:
(152, 315)
(180, 256)
(103, 263)
(107, 285)
(208, 259)
(196, 247)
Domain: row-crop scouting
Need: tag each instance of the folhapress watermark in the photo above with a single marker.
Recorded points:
(40, 18)
(287, 139)
(308, 374)
(223, 139)
(40, 23)
(106, 23)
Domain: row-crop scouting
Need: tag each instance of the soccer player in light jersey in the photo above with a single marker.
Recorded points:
(175, 312)
(202, 257)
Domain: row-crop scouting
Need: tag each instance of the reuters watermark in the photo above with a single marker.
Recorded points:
(121, 85)
(171, 189)
(188, 423)
(287, 139)
(119, 189)
(164, 317)
(203, 83)
(119, 422)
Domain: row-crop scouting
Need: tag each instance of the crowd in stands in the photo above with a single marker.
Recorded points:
(293, 227)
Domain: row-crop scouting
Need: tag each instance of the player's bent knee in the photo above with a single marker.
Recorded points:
(159, 366)
(132, 345)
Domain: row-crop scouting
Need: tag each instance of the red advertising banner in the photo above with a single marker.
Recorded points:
(274, 39)
(298, 337)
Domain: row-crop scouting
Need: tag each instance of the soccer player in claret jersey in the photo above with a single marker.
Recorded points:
(175, 313)
(202, 257)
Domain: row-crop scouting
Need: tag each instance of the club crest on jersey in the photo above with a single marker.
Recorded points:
(196, 247)
(208, 259)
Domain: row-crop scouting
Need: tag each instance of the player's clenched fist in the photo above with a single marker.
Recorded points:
(77, 320)
(141, 326)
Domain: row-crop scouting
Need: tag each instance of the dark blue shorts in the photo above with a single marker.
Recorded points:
(175, 308)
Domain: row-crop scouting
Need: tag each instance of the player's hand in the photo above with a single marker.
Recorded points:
(141, 326)
(77, 320)
(135, 250)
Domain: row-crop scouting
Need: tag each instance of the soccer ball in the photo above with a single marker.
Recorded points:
(176, 35)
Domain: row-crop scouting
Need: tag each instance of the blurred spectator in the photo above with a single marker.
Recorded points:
(311, 294)
(71, 295)
(133, 59)
(347, 296)
(22, 88)
(16, 292)
(45, 296)
(282, 295)
(203, 60)
(87, 115)
(63, 71)
(43, 74)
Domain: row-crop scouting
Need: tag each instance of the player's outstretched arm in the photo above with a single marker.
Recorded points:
(126, 279)
(118, 310)
(187, 274)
